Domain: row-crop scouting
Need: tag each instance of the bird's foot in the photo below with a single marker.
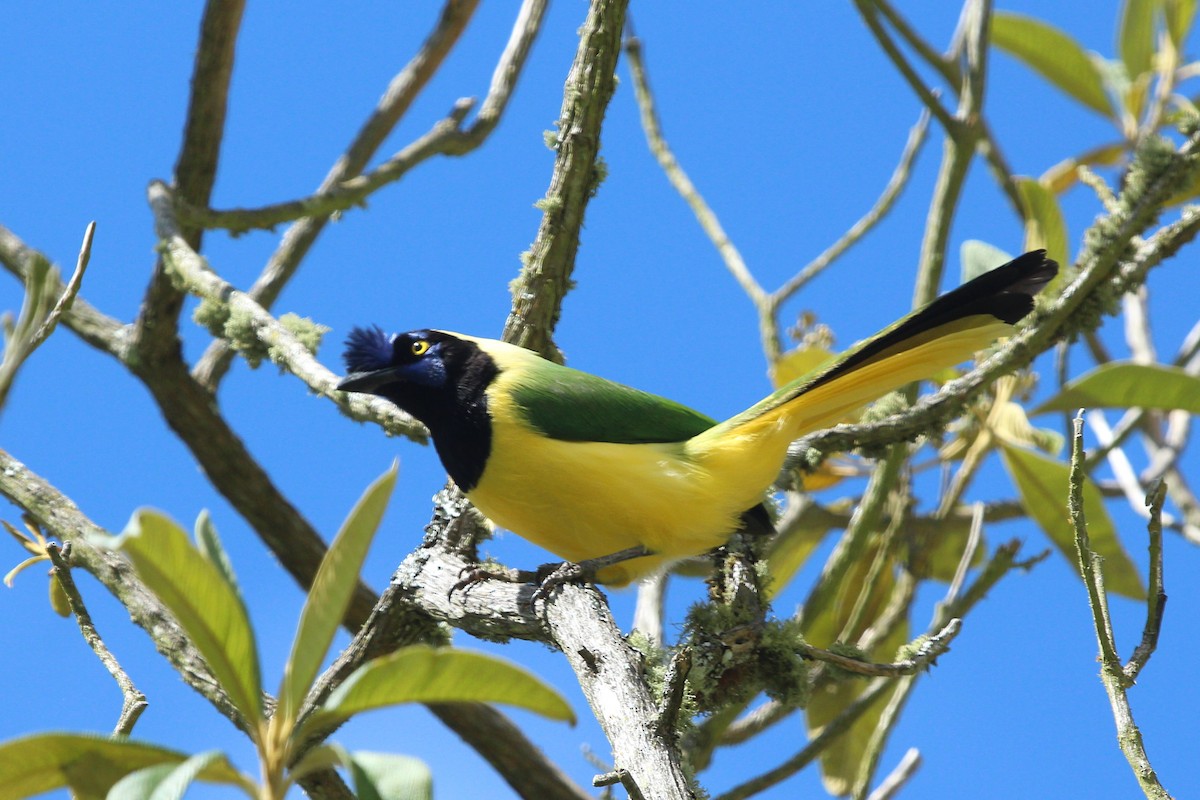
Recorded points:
(477, 573)
(551, 576)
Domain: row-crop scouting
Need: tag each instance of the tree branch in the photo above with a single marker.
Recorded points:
(1112, 674)
(155, 334)
(396, 100)
(545, 277)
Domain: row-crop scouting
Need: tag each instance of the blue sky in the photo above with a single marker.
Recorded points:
(788, 119)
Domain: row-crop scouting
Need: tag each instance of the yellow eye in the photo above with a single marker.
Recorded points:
(420, 347)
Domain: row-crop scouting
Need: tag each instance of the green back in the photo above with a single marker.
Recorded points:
(567, 404)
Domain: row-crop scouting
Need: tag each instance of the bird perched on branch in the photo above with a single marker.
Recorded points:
(585, 467)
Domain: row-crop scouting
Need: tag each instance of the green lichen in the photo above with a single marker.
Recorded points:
(307, 332)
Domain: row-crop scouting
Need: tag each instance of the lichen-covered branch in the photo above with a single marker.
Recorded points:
(1113, 675)
(398, 97)
(545, 277)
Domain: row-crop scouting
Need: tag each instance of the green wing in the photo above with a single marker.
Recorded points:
(567, 404)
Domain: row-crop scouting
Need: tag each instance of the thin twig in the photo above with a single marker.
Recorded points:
(67, 298)
(38, 318)
(154, 336)
(134, 702)
(674, 684)
(88, 323)
(683, 185)
(928, 650)
(1112, 674)
(899, 776)
(401, 92)
(811, 751)
(1156, 596)
(885, 202)
(869, 11)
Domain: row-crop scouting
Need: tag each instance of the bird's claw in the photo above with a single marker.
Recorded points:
(551, 576)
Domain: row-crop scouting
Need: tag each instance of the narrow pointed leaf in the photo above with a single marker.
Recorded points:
(331, 591)
(1135, 39)
(169, 781)
(1065, 174)
(422, 674)
(1043, 484)
(1180, 15)
(209, 545)
(1045, 227)
(1123, 384)
(200, 598)
(58, 598)
(89, 765)
(1054, 55)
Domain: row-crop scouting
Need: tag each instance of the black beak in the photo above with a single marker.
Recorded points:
(365, 382)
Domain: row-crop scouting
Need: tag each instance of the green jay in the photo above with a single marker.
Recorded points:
(585, 467)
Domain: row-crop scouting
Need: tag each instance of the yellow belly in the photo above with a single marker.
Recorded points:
(582, 500)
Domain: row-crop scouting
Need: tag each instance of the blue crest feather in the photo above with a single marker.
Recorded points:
(367, 349)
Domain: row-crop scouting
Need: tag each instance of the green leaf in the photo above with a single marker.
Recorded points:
(1065, 174)
(1054, 55)
(1135, 38)
(1122, 384)
(169, 781)
(386, 776)
(1044, 224)
(1180, 15)
(87, 764)
(979, 257)
(375, 775)
(945, 547)
(1043, 485)
(423, 674)
(58, 598)
(211, 548)
(842, 760)
(331, 591)
(198, 595)
(791, 548)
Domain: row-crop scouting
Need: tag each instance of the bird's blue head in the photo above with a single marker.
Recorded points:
(439, 378)
(375, 360)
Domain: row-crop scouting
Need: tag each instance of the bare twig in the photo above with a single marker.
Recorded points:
(683, 185)
(67, 299)
(59, 517)
(92, 326)
(1156, 596)
(38, 319)
(887, 199)
(766, 304)
(927, 651)
(134, 702)
(447, 137)
(674, 684)
(899, 776)
(814, 748)
(1114, 677)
